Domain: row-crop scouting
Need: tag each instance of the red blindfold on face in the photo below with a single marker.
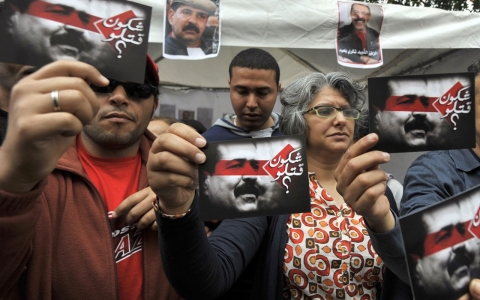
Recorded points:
(447, 237)
(63, 14)
(410, 103)
(240, 167)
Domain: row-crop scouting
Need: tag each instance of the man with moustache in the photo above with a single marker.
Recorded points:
(235, 183)
(42, 32)
(188, 19)
(436, 176)
(76, 147)
(406, 119)
(432, 178)
(357, 42)
(442, 266)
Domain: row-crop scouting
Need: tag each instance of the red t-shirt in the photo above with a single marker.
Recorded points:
(363, 38)
(116, 179)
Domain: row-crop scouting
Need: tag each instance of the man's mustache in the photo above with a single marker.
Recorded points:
(418, 122)
(247, 188)
(72, 39)
(359, 20)
(191, 26)
(121, 109)
(461, 258)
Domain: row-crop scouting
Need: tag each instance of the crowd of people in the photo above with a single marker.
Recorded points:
(99, 199)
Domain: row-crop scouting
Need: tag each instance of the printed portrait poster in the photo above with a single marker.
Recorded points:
(358, 35)
(110, 35)
(186, 114)
(443, 247)
(254, 177)
(422, 112)
(192, 29)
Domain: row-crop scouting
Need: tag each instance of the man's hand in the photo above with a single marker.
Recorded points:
(172, 167)
(38, 135)
(344, 59)
(362, 184)
(474, 291)
(138, 209)
(368, 60)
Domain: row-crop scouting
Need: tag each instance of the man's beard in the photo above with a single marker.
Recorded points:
(114, 139)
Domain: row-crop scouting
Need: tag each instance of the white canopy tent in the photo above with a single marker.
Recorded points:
(301, 34)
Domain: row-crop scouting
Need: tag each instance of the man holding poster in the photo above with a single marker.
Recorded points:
(432, 178)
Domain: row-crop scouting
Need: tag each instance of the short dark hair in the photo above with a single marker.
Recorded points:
(351, 9)
(254, 58)
(475, 68)
(21, 5)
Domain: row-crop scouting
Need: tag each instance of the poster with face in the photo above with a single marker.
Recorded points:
(110, 35)
(192, 29)
(254, 177)
(423, 112)
(443, 247)
(358, 35)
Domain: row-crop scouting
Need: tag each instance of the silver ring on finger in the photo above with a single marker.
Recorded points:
(56, 106)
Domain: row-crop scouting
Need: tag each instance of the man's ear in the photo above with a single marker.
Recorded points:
(279, 86)
(206, 182)
(155, 106)
(229, 80)
(170, 14)
(418, 274)
(376, 119)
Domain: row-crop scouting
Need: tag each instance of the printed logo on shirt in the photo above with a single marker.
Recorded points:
(127, 239)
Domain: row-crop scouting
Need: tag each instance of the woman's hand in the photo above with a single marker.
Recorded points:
(362, 183)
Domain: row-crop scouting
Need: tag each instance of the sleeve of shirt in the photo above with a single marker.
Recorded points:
(19, 214)
(204, 268)
(429, 180)
(389, 245)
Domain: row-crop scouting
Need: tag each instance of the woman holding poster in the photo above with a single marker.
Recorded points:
(325, 253)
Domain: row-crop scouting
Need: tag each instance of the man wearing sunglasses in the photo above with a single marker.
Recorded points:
(357, 42)
(76, 147)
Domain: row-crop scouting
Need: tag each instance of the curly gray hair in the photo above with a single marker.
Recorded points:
(298, 95)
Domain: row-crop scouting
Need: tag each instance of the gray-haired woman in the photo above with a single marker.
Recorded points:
(322, 254)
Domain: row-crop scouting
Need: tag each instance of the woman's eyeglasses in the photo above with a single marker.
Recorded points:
(132, 89)
(331, 112)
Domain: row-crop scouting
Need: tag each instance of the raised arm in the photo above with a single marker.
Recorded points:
(363, 184)
(36, 138)
(197, 267)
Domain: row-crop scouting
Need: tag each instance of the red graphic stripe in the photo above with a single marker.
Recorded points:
(239, 167)
(63, 14)
(443, 239)
(406, 103)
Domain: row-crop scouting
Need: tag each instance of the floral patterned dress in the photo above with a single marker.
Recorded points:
(329, 254)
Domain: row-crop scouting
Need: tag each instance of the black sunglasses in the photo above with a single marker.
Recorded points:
(134, 90)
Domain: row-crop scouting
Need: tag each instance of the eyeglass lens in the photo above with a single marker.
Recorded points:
(134, 90)
(329, 111)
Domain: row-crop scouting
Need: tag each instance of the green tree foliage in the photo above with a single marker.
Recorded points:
(468, 5)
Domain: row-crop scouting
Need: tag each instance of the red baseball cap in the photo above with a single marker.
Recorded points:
(151, 72)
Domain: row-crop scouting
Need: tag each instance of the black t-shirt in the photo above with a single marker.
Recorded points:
(3, 125)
